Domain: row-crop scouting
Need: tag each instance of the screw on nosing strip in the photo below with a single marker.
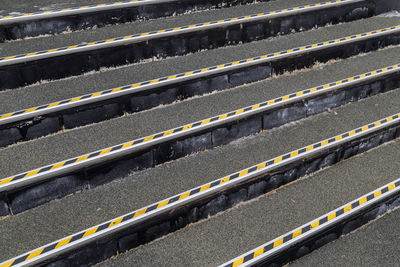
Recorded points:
(207, 187)
(313, 225)
(148, 34)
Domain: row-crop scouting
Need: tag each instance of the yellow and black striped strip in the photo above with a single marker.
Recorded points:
(5, 118)
(150, 35)
(342, 212)
(81, 9)
(211, 187)
(200, 124)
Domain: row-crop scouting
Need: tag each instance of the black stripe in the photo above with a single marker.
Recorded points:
(174, 199)
(153, 207)
(370, 197)
(384, 190)
(93, 155)
(248, 257)
(195, 191)
(116, 148)
(285, 156)
(317, 145)
(49, 248)
(252, 169)
(268, 247)
(302, 150)
(332, 140)
(76, 237)
(355, 204)
(339, 212)
(158, 135)
(20, 259)
(215, 183)
(306, 229)
(323, 220)
(102, 227)
(287, 238)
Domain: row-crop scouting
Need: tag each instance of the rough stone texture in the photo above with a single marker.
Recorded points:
(44, 127)
(3, 208)
(9, 136)
(127, 242)
(44, 192)
(249, 75)
(101, 175)
(281, 116)
(91, 116)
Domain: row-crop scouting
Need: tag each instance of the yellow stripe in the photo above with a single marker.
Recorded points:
(116, 90)
(31, 54)
(128, 144)
(364, 128)
(162, 204)
(244, 172)
(314, 224)
(391, 187)
(53, 104)
(362, 201)
(297, 233)
(32, 173)
(352, 133)
(300, 93)
(238, 262)
(6, 58)
(184, 195)
(205, 121)
(140, 212)
(168, 132)
(58, 165)
(295, 153)
(75, 99)
(258, 252)
(6, 115)
(148, 138)
(332, 216)
(277, 160)
(324, 143)
(205, 187)
(34, 254)
(90, 232)
(262, 165)
(6, 181)
(105, 151)
(7, 264)
(224, 180)
(309, 148)
(337, 138)
(30, 110)
(115, 222)
(239, 111)
(347, 208)
(222, 116)
(96, 94)
(278, 242)
(187, 127)
(82, 158)
(255, 106)
(377, 193)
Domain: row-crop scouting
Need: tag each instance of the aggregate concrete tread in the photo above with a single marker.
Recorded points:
(46, 150)
(375, 244)
(96, 34)
(82, 210)
(109, 78)
(9, 6)
(236, 231)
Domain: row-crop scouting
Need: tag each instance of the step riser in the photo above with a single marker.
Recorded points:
(76, 22)
(23, 74)
(92, 113)
(179, 218)
(25, 198)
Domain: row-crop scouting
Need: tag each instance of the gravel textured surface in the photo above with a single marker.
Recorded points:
(110, 78)
(79, 211)
(70, 38)
(376, 244)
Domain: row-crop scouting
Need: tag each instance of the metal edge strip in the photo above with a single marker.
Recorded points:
(167, 80)
(313, 227)
(79, 239)
(136, 145)
(140, 37)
